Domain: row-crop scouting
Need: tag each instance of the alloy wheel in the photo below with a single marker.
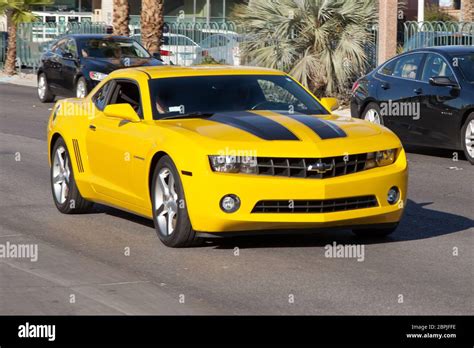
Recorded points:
(469, 138)
(41, 86)
(166, 202)
(81, 89)
(373, 116)
(61, 173)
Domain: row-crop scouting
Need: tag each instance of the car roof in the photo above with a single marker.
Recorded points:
(454, 49)
(97, 36)
(163, 71)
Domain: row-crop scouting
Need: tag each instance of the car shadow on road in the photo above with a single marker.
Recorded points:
(435, 152)
(103, 209)
(418, 222)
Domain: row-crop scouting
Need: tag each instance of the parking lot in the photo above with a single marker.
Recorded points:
(111, 262)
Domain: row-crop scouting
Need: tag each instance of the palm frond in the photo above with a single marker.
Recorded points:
(320, 42)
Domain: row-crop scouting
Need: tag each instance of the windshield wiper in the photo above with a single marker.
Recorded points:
(196, 114)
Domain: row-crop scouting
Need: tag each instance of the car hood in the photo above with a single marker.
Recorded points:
(107, 65)
(288, 134)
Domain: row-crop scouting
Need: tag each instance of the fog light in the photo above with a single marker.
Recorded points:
(230, 203)
(393, 195)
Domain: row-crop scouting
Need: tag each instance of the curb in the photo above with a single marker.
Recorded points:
(29, 81)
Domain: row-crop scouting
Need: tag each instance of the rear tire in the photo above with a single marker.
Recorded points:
(44, 93)
(374, 232)
(372, 114)
(66, 195)
(170, 213)
(467, 138)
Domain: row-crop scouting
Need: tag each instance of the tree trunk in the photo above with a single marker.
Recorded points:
(467, 10)
(11, 47)
(121, 17)
(152, 22)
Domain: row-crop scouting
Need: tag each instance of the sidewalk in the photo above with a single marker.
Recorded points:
(22, 79)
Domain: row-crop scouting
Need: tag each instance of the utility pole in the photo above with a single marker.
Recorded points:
(421, 11)
(387, 36)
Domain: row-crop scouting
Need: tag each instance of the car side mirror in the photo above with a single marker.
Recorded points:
(330, 103)
(68, 55)
(123, 111)
(443, 81)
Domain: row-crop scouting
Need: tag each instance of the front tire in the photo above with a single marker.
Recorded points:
(374, 232)
(170, 214)
(467, 138)
(66, 195)
(372, 114)
(44, 93)
(81, 87)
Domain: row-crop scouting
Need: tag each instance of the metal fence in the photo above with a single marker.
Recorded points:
(187, 43)
(183, 42)
(426, 34)
(371, 48)
(3, 44)
(34, 38)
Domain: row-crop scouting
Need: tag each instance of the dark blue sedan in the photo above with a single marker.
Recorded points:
(425, 96)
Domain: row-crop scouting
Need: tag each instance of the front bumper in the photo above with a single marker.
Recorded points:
(204, 192)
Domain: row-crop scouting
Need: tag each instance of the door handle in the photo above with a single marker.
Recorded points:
(418, 90)
(385, 85)
(92, 127)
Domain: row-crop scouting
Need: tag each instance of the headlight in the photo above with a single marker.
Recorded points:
(233, 164)
(97, 76)
(380, 158)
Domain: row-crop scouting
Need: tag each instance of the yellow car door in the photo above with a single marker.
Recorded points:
(113, 145)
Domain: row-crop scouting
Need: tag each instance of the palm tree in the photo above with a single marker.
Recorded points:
(17, 11)
(121, 17)
(322, 43)
(152, 22)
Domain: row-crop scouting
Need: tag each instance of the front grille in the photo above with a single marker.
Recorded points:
(298, 167)
(315, 206)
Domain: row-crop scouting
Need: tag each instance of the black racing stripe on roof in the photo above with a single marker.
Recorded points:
(323, 128)
(257, 125)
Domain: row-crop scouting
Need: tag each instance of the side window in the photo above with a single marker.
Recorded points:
(127, 92)
(71, 47)
(388, 68)
(59, 47)
(408, 66)
(435, 65)
(100, 98)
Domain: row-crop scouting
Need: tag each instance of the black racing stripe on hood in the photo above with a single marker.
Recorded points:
(257, 125)
(323, 128)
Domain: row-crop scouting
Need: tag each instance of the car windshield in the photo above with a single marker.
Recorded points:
(211, 94)
(466, 64)
(112, 48)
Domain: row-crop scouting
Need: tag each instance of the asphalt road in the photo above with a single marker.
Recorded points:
(426, 267)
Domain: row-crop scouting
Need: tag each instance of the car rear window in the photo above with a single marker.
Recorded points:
(465, 62)
(111, 48)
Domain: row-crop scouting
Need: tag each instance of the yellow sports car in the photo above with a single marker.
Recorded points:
(217, 150)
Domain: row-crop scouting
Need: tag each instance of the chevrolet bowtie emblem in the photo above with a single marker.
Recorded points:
(320, 167)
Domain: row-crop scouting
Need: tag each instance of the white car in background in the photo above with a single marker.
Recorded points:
(179, 50)
(224, 48)
(176, 49)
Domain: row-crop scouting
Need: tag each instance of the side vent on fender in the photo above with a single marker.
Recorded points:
(77, 153)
